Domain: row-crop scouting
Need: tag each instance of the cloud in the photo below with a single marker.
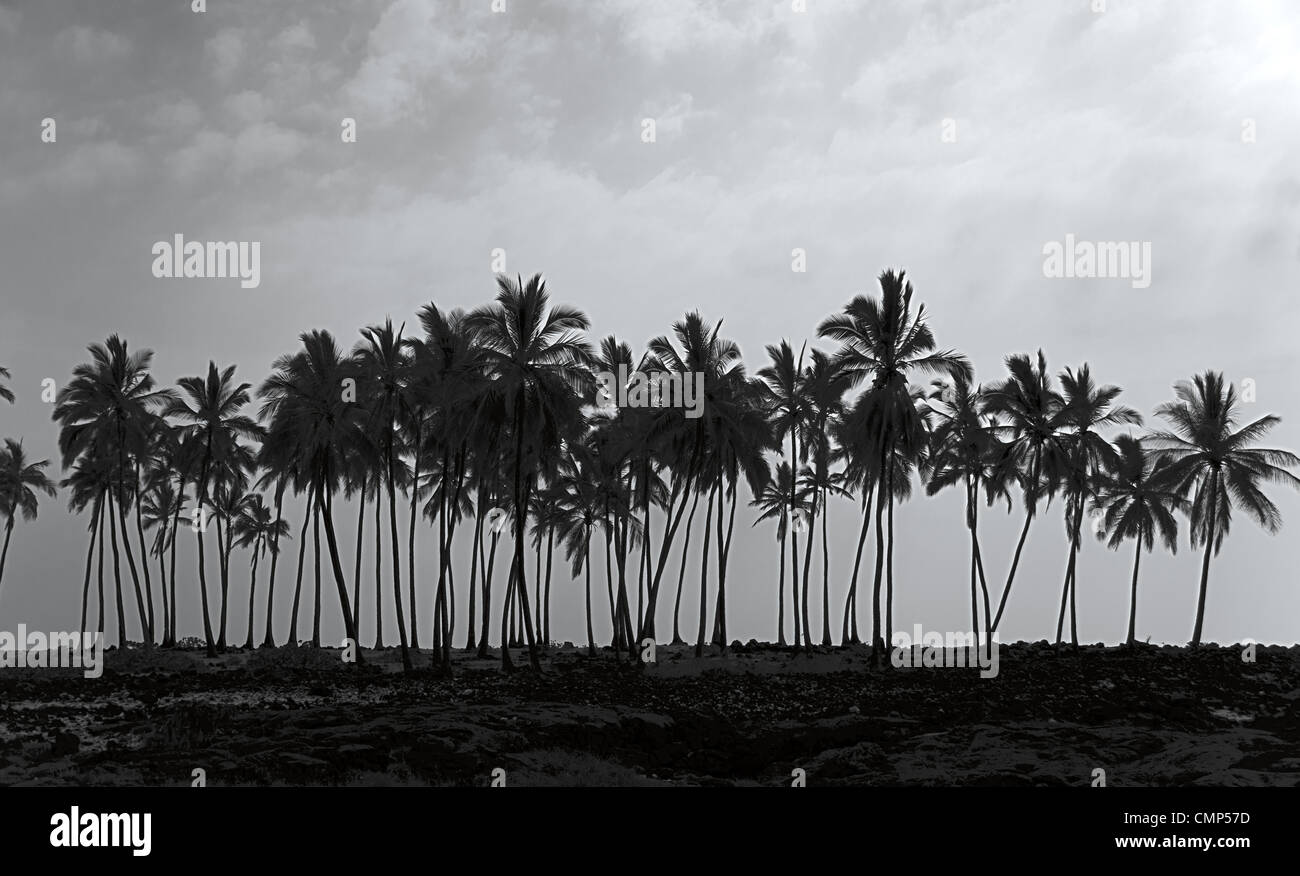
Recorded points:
(88, 45)
(224, 53)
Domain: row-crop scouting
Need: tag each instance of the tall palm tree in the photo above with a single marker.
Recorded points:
(90, 478)
(823, 386)
(385, 363)
(1136, 501)
(305, 400)
(884, 341)
(540, 364)
(1086, 409)
(791, 414)
(774, 501)
(577, 514)
(208, 414)
(965, 450)
(109, 406)
(256, 528)
(1210, 457)
(20, 483)
(162, 506)
(1029, 411)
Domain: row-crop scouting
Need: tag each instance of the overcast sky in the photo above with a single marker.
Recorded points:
(776, 129)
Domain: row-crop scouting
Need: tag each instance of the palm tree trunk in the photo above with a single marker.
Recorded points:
(356, 569)
(307, 515)
(487, 599)
(1212, 504)
(475, 555)
(397, 560)
(704, 569)
(269, 640)
(90, 555)
(104, 512)
(144, 564)
(1133, 594)
(162, 589)
(807, 571)
(223, 553)
(349, 620)
(780, 596)
(379, 577)
(681, 572)
(826, 576)
(794, 533)
(9, 530)
(877, 644)
(199, 530)
(145, 630)
(176, 520)
(315, 530)
(117, 574)
(586, 565)
(1011, 576)
(546, 615)
(850, 631)
(252, 594)
(889, 564)
(410, 545)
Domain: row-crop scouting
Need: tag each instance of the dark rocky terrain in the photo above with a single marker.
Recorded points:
(299, 716)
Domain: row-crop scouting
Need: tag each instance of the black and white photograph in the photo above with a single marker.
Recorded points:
(403, 401)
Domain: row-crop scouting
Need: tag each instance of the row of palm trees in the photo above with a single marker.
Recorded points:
(487, 420)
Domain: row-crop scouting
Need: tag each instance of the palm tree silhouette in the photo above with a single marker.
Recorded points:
(1213, 460)
(1136, 501)
(255, 528)
(20, 483)
(5, 392)
(109, 408)
(540, 367)
(1086, 409)
(89, 480)
(1029, 411)
(208, 414)
(881, 339)
(964, 449)
(311, 399)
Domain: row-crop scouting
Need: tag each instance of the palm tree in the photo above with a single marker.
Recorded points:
(307, 405)
(1086, 409)
(790, 414)
(882, 339)
(1212, 459)
(5, 392)
(20, 482)
(87, 484)
(162, 506)
(1029, 411)
(385, 365)
(540, 367)
(109, 407)
(208, 413)
(256, 528)
(823, 386)
(965, 449)
(1136, 501)
(774, 501)
(577, 513)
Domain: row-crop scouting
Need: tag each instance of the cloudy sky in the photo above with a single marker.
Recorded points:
(1172, 123)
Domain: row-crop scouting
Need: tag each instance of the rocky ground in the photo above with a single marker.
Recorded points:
(300, 716)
